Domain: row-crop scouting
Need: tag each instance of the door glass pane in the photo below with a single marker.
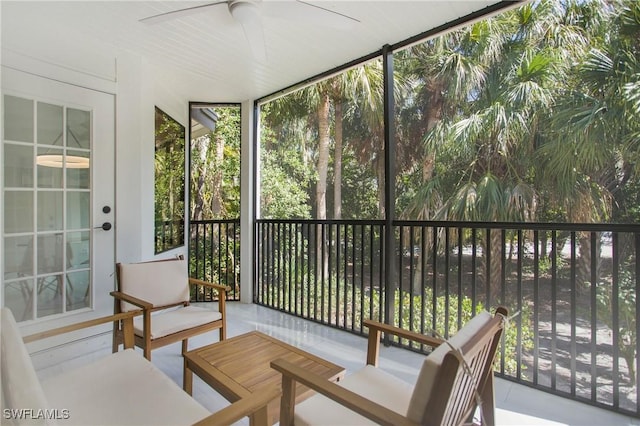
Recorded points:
(50, 205)
(18, 257)
(77, 163)
(49, 124)
(18, 119)
(78, 282)
(50, 254)
(18, 211)
(49, 168)
(78, 210)
(18, 296)
(78, 128)
(77, 290)
(50, 290)
(18, 166)
(78, 250)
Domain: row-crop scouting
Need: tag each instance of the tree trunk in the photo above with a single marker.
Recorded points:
(497, 252)
(584, 261)
(201, 147)
(321, 186)
(432, 116)
(337, 162)
(216, 181)
(323, 156)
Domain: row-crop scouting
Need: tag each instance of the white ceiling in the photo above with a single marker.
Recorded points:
(210, 47)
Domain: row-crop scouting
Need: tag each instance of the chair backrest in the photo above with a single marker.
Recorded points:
(161, 283)
(445, 392)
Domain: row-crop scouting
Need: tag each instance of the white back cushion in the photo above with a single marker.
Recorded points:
(425, 384)
(20, 385)
(160, 283)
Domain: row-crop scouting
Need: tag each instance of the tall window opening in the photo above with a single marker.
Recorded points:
(214, 185)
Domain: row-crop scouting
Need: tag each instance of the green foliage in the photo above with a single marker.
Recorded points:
(281, 196)
(346, 306)
(357, 180)
(169, 182)
(449, 312)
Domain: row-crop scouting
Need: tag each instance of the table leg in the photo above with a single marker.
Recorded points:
(187, 378)
(260, 417)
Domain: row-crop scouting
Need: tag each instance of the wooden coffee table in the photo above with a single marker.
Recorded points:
(240, 366)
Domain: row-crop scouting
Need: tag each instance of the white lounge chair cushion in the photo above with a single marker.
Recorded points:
(369, 382)
(160, 283)
(123, 388)
(426, 378)
(21, 388)
(174, 320)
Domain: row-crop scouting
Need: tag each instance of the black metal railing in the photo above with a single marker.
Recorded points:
(169, 234)
(214, 256)
(571, 287)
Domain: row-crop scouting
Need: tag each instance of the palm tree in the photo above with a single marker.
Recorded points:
(598, 118)
(499, 83)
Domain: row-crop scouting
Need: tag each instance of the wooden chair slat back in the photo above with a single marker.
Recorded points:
(459, 386)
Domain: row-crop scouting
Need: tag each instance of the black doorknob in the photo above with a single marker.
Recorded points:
(105, 226)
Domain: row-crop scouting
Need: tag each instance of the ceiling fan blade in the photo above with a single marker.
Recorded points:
(305, 12)
(247, 13)
(255, 37)
(161, 17)
(336, 15)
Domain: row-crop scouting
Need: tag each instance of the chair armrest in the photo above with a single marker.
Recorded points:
(256, 403)
(133, 300)
(376, 328)
(405, 334)
(291, 373)
(127, 317)
(219, 287)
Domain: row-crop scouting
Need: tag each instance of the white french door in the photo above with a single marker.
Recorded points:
(57, 196)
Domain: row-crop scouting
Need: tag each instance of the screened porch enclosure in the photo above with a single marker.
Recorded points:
(455, 171)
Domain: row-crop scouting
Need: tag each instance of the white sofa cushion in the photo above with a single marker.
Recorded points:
(369, 382)
(425, 384)
(20, 385)
(160, 283)
(123, 388)
(174, 320)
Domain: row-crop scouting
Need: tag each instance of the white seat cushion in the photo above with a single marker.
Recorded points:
(175, 320)
(426, 378)
(369, 382)
(121, 389)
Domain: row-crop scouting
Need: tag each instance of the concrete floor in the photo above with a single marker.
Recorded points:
(516, 404)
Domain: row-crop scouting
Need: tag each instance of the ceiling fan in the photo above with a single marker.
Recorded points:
(249, 14)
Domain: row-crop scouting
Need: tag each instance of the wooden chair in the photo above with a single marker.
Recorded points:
(156, 287)
(454, 380)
